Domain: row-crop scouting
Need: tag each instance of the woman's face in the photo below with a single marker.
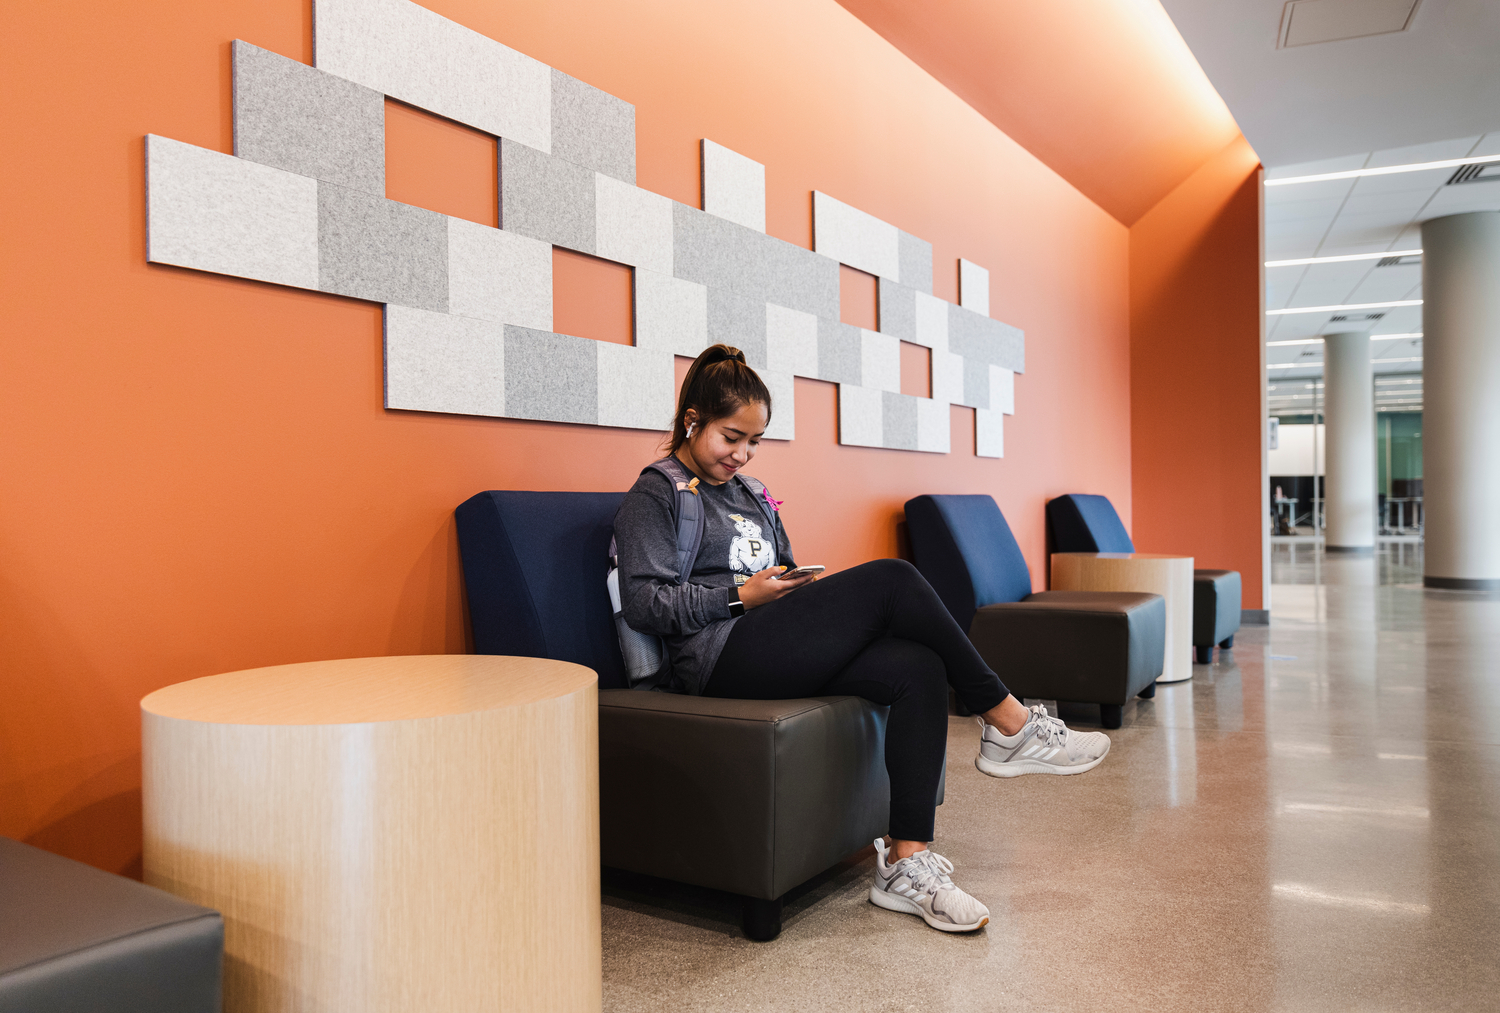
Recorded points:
(722, 447)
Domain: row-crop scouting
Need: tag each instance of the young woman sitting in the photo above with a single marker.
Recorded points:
(878, 630)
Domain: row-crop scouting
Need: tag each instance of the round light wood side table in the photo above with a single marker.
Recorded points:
(414, 833)
(1169, 576)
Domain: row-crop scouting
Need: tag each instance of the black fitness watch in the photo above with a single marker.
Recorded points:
(736, 607)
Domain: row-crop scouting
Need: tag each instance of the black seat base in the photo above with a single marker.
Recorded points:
(1100, 647)
(1216, 611)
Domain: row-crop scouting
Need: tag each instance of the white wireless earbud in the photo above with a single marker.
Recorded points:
(690, 430)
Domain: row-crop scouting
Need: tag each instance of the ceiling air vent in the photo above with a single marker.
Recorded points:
(1305, 22)
(1479, 172)
(1357, 318)
(1411, 260)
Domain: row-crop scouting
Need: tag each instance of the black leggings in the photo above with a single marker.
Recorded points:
(877, 631)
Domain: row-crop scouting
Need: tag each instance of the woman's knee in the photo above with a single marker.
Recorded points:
(919, 670)
(889, 571)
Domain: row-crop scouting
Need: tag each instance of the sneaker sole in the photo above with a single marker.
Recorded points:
(1016, 768)
(891, 902)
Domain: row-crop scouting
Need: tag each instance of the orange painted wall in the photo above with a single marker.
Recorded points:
(1195, 368)
(199, 475)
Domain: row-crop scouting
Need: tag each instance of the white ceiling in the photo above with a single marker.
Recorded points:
(1369, 214)
(1437, 79)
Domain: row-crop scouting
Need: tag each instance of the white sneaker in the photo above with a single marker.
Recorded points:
(1044, 745)
(919, 885)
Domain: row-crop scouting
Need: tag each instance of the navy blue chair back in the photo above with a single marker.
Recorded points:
(534, 568)
(964, 548)
(1086, 523)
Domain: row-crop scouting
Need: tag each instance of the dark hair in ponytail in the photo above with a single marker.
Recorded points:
(718, 384)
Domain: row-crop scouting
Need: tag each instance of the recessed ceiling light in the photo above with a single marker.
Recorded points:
(1339, 309)
(1319, 339)
(1342, 260)
(1384, 170)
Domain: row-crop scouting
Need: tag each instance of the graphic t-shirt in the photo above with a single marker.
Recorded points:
(693, 618)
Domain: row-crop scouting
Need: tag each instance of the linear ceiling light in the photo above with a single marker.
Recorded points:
(1384, 170)
(1319, 340)
(1293, 365)
(1342, 260)
(1340, 309)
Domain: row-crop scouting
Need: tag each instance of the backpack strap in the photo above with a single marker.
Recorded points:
(758, 492)
(687, 510)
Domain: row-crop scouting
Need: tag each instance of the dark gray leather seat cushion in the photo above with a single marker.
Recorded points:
(750, 796)
(1081, 646)
(77, 939)
(1216, 606)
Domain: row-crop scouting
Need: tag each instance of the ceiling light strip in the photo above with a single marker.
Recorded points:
(1319, 339)
(1384, 170)
(1344, 259)
(1340, 309)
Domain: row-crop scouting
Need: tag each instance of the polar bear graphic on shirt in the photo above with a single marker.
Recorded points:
(749, 553)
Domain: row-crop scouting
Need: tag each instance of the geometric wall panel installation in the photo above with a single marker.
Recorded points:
(468, 308)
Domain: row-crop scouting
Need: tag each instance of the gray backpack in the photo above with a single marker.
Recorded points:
(646, 663)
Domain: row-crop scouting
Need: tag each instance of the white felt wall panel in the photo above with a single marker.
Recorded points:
(293, 117)
(989, 433)
(855, 238)
(861, 412)
(1002, 390)
(412, 54)
(973, 287)
(214, 212)
(934, 426)
(469, 325)
(632, 226)
(436, 362)
(671, 314)
(635, 386)
(791, 341)
(880, 361)
(498, 276)
(592, 128)
(734, 187)
(784, 404)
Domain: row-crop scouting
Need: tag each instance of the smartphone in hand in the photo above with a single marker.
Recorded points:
(801, 571)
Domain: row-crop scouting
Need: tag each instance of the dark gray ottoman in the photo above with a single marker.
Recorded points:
(1216, 611)
(77, 940)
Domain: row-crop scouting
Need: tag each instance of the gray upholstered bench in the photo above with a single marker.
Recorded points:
(77, 940)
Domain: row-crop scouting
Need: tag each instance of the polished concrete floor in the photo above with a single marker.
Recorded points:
(1311, 824)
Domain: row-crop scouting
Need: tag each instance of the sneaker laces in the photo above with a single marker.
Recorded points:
(1049, 728)
(930, 873)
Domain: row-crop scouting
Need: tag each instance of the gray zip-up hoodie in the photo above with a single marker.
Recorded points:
(693, 618)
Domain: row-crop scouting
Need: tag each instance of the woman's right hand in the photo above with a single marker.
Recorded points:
(765, 587)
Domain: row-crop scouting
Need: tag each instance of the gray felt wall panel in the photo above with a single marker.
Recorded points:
(976, 384)
(934, 426)
(989, 433)
(592, 128)
(293, 117)
(898, 421)
(408, 52)
(856, 238)
(214, 212)
(800, 279)
(979, 337)
(973, 287)
(435, 362)
(947, 377)
(381, 250)
(880, 361)
(1002, 390)
(840, 352)
(916, 262)
(552, 377)
(791, 341)
(898, 310)
(546, 198)
(671, 314)
(783, 403)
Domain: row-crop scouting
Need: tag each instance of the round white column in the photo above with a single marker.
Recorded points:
(1349, 442)
(1461, 400)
